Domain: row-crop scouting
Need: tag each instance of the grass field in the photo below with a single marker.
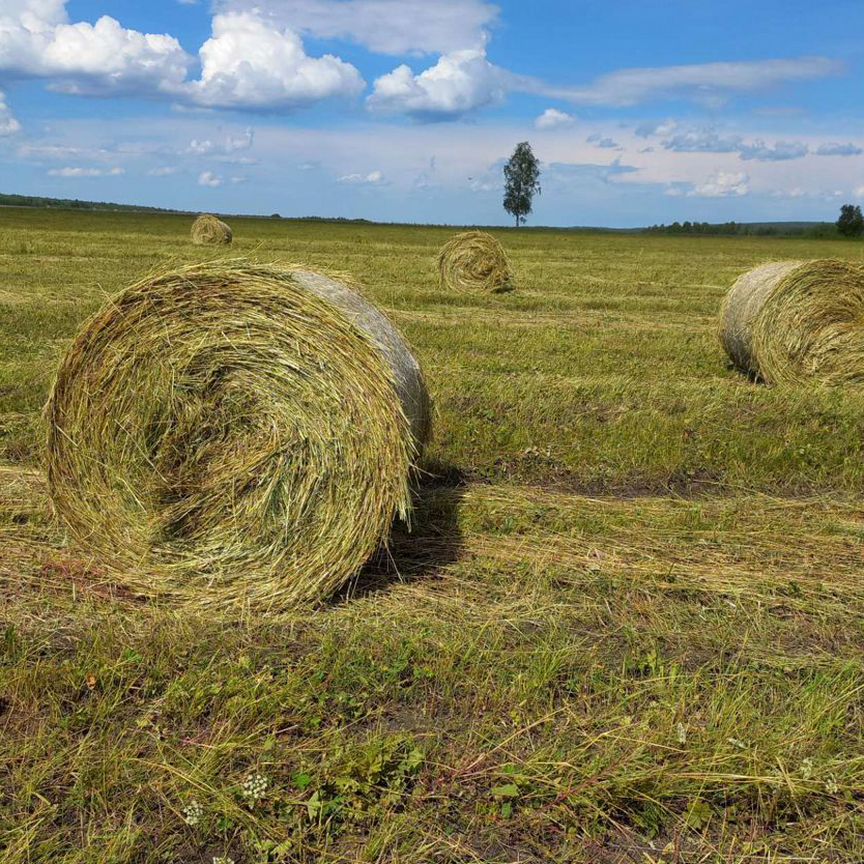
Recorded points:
(628, 626)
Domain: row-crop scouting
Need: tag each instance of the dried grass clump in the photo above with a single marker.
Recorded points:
(474, 261)
(793, 321)
(208, 230)
(235, 435)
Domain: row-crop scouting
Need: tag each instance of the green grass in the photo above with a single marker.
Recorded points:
(628, 627)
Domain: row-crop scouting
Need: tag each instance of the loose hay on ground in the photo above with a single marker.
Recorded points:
(208, 230)
(474, 261)
(235, 435)
(791, 322)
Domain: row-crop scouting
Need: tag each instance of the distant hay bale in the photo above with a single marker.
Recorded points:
(208, 230)
(474, 261)
(232, 435)
(793, 321)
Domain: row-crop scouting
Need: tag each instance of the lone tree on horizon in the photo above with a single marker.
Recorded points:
(851, 221)
(521, 182)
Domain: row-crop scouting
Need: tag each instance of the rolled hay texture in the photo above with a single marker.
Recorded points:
(474, 261)
(235, 436)
(208, 230)
(793, 322)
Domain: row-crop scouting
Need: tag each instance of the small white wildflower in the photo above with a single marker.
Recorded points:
(223, 861)
(255, 787)
(807, 769)
(831, 785)
(682, 734)
(193, 812)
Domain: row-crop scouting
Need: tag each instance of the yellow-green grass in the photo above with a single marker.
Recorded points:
(628, 625)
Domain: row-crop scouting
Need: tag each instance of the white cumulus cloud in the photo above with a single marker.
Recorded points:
(227, 149)
(722, 185)
(248, 64)
(32, 15)
(458, 83)
(199, 148)
(374, 178)
(37, 40)
(663, 127)
(209, 179)
(552, 118)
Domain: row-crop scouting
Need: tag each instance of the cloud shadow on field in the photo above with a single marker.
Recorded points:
(433, 542)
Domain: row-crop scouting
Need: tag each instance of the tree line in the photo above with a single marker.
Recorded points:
(698, 228)
(849, 224)
(743, 229)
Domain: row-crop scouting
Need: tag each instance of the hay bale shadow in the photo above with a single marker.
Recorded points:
(434, 541)
(748, 374)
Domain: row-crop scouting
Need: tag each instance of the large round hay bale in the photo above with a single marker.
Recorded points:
(474, 261)
(793, 321)
(208, 230)
(232, 435)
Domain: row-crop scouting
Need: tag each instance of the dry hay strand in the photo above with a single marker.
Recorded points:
(233, 435)
(208, 230)
(792, 322)
(474, 261)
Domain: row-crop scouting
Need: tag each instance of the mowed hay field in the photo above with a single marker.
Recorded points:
(628, 625)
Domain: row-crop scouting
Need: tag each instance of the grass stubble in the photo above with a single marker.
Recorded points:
(627, 626)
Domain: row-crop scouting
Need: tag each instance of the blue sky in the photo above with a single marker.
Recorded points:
(405, 110)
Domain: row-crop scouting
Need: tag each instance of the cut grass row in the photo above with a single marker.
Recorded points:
(583, 676)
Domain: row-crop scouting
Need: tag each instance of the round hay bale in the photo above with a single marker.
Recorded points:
(233, 435)
(793, 321)
(474, 261)
(209, 230)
